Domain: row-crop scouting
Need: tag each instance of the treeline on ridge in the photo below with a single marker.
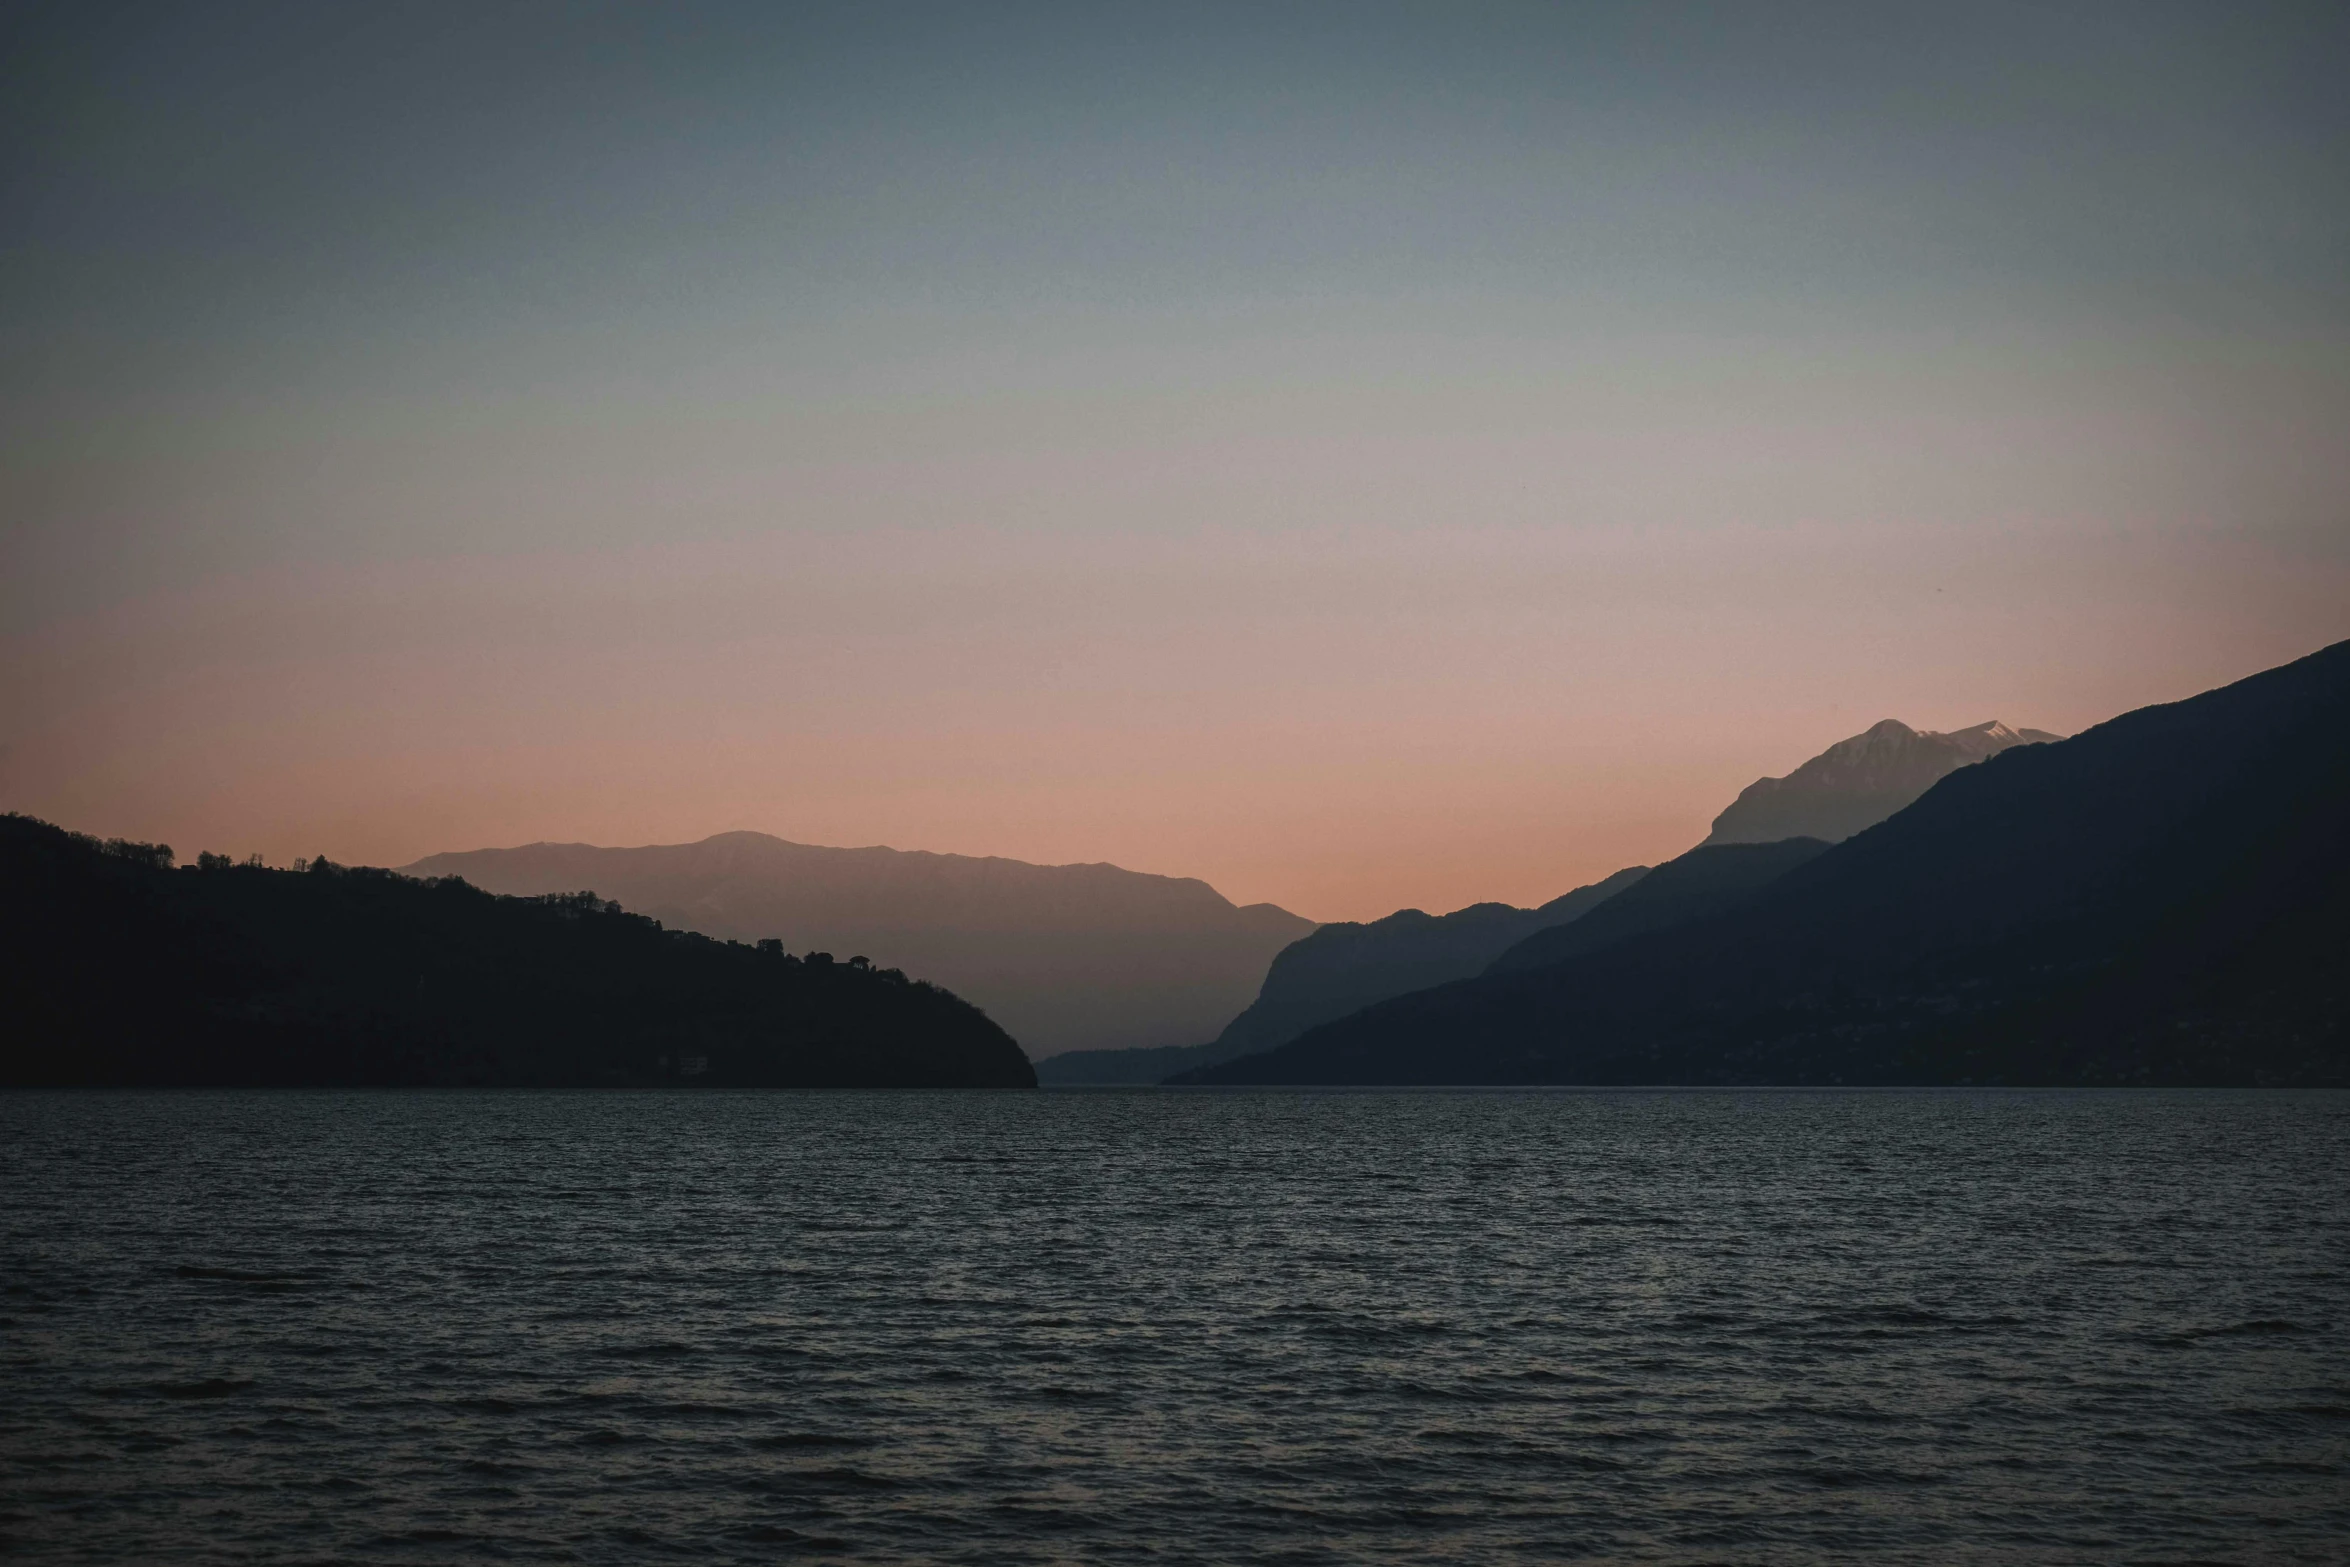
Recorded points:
(121, 970)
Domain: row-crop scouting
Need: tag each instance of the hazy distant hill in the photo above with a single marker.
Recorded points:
(1063, 956)
(1706, 881)
(120, 971)
(1133, 1068)
(1341, 968)
(1857, 783)
(2163, 899)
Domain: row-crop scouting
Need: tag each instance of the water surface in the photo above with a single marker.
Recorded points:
(1218, 1327)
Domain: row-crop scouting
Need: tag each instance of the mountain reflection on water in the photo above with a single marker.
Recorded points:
(1228, 1327)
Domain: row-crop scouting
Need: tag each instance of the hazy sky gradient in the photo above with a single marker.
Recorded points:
(1362, 455)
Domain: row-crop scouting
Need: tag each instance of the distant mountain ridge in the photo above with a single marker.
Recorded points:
(1707, 881)
(1063, 956)
(1857, 783)
(1774, 825)
(1847, 788)
(1341, 968)
(2163, 899)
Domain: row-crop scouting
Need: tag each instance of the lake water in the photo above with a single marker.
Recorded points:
(1215, 1327)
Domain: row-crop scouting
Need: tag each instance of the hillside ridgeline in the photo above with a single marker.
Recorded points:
(122, 971)
(1773, 825)
(1710, 879)
(2164, 899)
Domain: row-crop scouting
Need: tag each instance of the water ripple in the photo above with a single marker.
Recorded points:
(1279, 1327)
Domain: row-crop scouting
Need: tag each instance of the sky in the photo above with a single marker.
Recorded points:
(1366, 456)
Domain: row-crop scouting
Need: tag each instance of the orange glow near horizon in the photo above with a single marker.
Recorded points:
(1343, 725)
(1406, 456)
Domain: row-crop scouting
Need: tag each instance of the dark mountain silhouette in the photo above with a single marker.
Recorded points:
(1857, 783)
(2163, 899)
(1705, 881)
(1342, 968)
(119, 970)
(1062, 956)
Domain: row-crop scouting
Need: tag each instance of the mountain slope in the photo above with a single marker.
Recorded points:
(1857, 783)
(2163, 899)
(1063, 956)
(1342, 968)
(121, 971)
(1708, 880)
